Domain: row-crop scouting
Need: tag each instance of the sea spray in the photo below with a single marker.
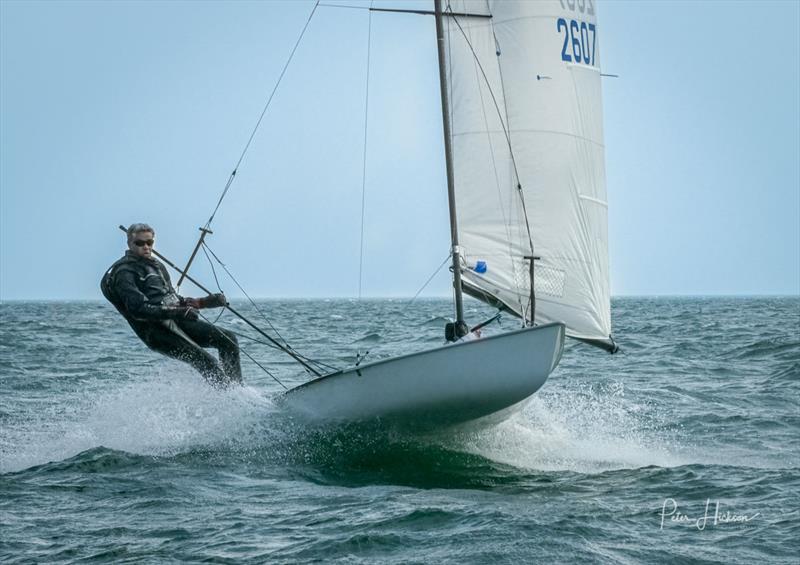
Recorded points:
(584, 428)
(162, 414)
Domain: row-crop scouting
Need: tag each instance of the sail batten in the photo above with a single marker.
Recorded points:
(528, 153)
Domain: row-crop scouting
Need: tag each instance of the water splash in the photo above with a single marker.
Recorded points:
(162, 414)
(586, 429)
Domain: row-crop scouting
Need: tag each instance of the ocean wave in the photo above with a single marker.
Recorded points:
(781, 347)
(436, 321)
(95, 460)
(369, 338)
(788, 371)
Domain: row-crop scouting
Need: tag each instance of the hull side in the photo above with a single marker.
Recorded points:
(447, 385)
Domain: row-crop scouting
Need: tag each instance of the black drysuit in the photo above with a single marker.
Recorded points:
(141, 290)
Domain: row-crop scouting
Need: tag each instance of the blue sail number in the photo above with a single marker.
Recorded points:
(581, 37)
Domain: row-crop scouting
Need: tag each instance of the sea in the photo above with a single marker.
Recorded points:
(683, 447)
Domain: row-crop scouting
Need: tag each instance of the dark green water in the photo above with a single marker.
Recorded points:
(110, 453)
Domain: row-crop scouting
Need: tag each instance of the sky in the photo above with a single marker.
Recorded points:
(119, 112)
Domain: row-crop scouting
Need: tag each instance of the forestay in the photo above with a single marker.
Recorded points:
(526, 109)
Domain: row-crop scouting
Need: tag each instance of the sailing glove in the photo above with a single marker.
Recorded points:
(211, 301)
(217, 300)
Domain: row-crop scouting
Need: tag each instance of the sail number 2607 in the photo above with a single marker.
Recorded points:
(580, 40)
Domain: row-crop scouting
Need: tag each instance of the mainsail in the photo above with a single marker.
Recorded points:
(529, 164)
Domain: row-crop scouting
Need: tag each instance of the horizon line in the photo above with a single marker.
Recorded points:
(429, 297)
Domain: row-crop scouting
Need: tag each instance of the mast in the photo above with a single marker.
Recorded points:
(448, 157)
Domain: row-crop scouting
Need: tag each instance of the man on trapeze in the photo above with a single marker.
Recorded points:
(139, 287)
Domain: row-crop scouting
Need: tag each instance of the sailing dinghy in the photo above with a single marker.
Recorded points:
(521, 111)
(523, 138)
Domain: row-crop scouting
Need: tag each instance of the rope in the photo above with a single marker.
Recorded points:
(260, 118)
(364, 162)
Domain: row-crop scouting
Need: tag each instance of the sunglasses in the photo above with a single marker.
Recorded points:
(143, 242)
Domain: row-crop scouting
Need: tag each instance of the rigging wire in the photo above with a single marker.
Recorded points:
(430, 278)
(213, 270)
(216, 280)
(364, 158)
(260, 118)
(261, 312)
(285, 346)
(271, 346)
(252, 302)
(345, 6)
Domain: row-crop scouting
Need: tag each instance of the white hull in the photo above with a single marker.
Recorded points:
(488, 378)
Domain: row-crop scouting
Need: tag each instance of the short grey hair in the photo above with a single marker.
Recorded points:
(138, 228)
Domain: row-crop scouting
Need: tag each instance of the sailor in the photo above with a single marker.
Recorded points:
(471, 336)
(458, 332)
(138, 285)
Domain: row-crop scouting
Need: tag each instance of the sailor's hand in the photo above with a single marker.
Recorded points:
(217, 300)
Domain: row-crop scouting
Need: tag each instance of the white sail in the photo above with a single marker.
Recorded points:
(524, 87)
